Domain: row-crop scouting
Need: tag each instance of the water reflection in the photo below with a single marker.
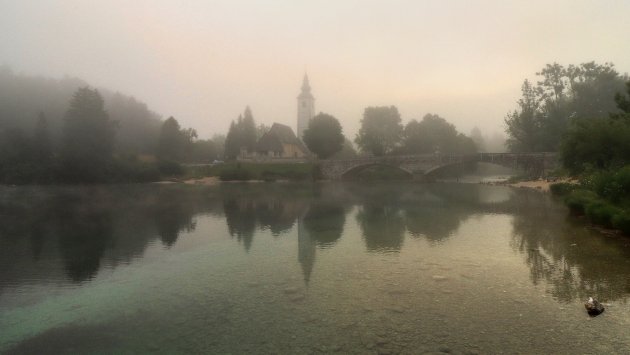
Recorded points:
(77, 231)
(86, 227)
(565, 256)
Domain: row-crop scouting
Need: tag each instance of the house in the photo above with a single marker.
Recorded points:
(280, 142)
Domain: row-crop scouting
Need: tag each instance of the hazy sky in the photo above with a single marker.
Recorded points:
(204, 61)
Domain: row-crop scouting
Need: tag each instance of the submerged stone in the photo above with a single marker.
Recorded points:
(593, 307)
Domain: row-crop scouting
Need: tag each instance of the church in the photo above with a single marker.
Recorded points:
(280, 142)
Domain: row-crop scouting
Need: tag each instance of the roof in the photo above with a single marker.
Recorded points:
(278, 135)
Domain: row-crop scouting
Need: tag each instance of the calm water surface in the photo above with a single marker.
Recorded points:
(288, 268)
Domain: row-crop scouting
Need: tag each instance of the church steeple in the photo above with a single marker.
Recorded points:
(306, 87)
(306, 107)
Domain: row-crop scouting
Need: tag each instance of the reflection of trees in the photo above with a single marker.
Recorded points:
(574, 262)
(88, 227)
(324, 222)
(434, 222)
(263, 206)
(83, 238)
(173, 215)
(240, 216)
(383, 227)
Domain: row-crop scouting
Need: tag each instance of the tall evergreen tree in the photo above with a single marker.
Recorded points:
(248, 130)
(88, 137)
(232, 142)
(169, 142)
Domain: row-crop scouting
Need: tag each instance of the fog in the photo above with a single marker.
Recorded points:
(203, 62)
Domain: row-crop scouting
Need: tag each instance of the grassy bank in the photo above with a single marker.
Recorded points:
(602, 196)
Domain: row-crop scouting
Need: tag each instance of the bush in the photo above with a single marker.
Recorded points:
(601, 212)
(235, 174)
(170, 168)
(578, 199)
(269, 176)
(621, 221)
(562, 188)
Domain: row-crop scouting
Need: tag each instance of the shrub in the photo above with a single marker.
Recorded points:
(621, 221)
(562, 188)
(601, 212)
(170, 168)
(235, 174)
(578, 199)
(267, 175)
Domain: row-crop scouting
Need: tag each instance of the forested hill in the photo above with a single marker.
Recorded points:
(23, 97)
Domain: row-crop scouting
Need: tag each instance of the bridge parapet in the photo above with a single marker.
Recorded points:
(423, 164)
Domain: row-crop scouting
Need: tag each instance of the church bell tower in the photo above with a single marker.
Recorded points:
(306, 107)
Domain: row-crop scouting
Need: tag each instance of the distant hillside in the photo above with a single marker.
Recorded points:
(23, 97)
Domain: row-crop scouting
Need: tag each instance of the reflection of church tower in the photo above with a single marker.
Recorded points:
(306, 250)
(306, 107)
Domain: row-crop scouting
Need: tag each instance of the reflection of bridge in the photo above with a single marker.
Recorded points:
(422, 165)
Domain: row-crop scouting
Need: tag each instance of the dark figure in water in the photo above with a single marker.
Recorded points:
(593, 307)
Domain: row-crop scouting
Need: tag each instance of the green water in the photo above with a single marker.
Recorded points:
(289, 268)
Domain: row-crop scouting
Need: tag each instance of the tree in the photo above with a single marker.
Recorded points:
(380, 131)
(88, 137)
(564, 94)
(232, 141)
(242, 134)
(523, 124)
(347, 151)
(601, 143)
(219, 144)
(174, 143)
(323, 136)
(435, 134)
(248, 130)
(203, 151)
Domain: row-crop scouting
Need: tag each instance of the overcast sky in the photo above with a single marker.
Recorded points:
(204, 61)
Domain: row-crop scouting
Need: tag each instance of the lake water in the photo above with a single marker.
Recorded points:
(290, 268)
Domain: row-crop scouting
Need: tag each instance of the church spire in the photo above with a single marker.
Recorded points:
(306, 87)
(306, 107)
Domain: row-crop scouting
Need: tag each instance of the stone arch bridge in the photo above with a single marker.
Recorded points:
(420, 166)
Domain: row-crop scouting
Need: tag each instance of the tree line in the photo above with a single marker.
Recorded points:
(86, 148)
(382, 133)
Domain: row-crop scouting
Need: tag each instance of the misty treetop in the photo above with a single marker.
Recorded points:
(562, 95)
(324, 136)
(88, 136)
(242, 134)
(381, 130)
(435, 135)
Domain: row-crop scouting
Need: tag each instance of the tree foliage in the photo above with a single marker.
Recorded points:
(88, 137)
(435, 135)
(600, 143)
(347, 151)
(324, 136)
(381, 130)
(563, 94)
(174, 143)
(241, 135)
